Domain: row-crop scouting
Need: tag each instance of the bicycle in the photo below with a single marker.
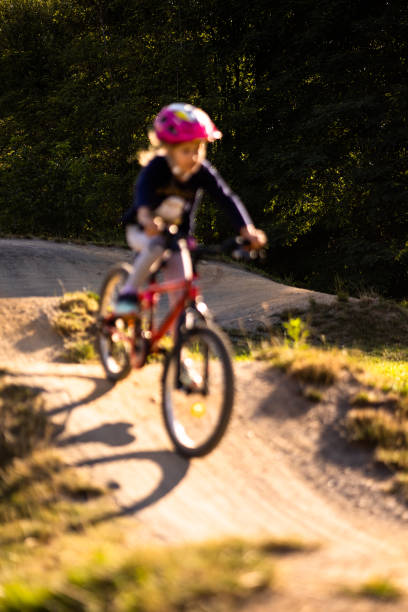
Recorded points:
(198, 378)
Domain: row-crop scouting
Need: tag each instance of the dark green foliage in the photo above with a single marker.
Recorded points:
(311, 97)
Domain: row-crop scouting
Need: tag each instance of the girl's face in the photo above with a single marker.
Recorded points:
(186, 157)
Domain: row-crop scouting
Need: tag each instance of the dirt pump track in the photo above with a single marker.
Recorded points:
(280, 471)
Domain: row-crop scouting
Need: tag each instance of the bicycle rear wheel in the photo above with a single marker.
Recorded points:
(114, 337)
(198, 391)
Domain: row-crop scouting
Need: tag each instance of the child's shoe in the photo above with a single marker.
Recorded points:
(127, 303)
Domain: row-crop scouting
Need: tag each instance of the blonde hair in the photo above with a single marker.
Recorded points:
(157, 147)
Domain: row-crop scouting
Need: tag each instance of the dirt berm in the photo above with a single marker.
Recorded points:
(283, 469)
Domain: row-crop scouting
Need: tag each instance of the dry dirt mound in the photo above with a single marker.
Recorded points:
(48, 269)
(281, 470)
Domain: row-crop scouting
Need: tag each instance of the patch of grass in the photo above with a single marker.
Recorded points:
(393, 457)
(385, 428)
(37, 487)
(23, 422)
(372, 330)
(80, 352)
(214, 576)
(385, 373)
(76, 312)
(308, 365)
(43, 503)
(313, 394)
(341, 292)
(400, 482)
(378, 427)
(40, 496)
(377, 588)
(363, 398)
(379, 414)
(75, 321)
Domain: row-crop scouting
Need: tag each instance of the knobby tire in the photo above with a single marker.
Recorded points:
(115, 356)
(196, 416)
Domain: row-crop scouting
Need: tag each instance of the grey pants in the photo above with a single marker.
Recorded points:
(151, 251)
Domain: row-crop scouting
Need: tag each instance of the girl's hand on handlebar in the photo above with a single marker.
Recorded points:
(256, 237)
(152, 226)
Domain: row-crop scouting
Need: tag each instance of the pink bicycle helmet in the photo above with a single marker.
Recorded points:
(183, 122)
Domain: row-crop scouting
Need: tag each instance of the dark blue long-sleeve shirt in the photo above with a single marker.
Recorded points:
(156, 182)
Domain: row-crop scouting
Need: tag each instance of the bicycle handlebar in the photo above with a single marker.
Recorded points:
(237, 247)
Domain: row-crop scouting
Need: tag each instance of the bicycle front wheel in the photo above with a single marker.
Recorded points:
(198, 391)
(114, 339)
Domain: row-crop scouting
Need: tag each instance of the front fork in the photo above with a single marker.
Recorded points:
(195, 315)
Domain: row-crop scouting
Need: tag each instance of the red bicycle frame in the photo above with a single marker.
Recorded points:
(148, 299)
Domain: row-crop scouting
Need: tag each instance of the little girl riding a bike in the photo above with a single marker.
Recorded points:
(168, 191)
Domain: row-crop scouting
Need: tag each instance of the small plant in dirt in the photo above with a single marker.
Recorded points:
(377, 588)
(75, 321)
(296, 332)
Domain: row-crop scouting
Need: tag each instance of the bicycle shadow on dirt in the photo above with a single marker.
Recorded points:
(173, 469)
(101, 387)
(111, 434)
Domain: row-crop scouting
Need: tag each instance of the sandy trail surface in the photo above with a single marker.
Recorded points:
(45, 269)
(282, 470)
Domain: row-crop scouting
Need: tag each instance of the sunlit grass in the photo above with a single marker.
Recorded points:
(306, 364)
(375, 373)
(378, 588)
(217, 576)
(370, 334)
(385, 372)
(60, 550)
(80, 352)
(75, 322)
(41, 497)
(24, 425)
